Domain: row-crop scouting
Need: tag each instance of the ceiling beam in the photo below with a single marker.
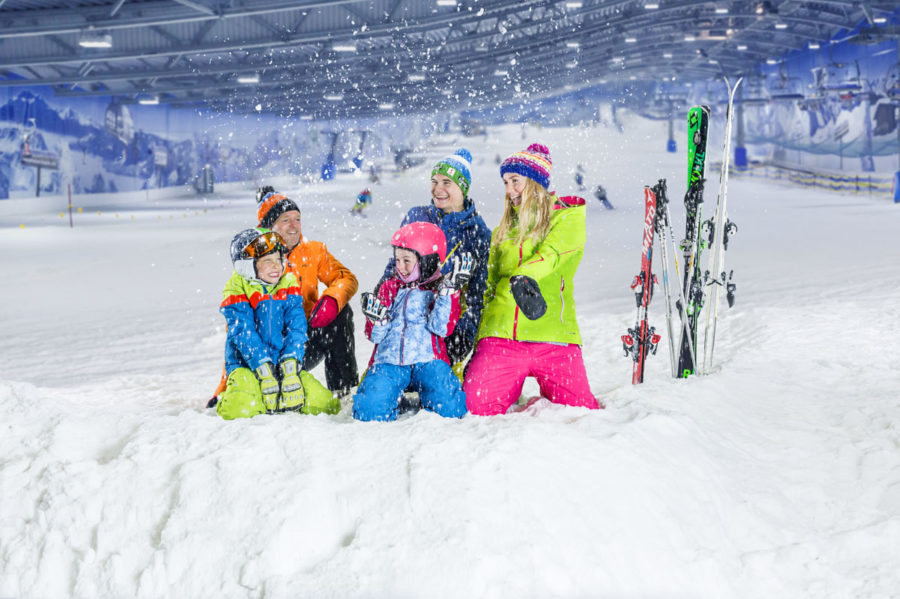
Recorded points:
(116, 8)
(197, 6)
(537, 48)
(321, 36)
(147, 14)
(144, 14)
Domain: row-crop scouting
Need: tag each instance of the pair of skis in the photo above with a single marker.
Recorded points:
(643, 339)
(697, 285)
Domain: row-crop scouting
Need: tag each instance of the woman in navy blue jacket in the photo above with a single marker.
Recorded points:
(454, 212)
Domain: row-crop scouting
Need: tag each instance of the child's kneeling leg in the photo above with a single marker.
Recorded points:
(242, 397)
(440, 391)
(319, 400)
(378, 396)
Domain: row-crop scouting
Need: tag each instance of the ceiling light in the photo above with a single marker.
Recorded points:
(879, 20)
(571, 65)
(742, 47)
(333, 97)
(345, 47)
(446, 2)
(667, 55)
(386, 106)
(780, 25)
(771, 61)
(306, 117)
(94, 39)
(813, 45)
(689, 38)
(149, 100)
(253, 78)
(573, 45)
(651, 6)
(721, 11)
(573, 4)
(500, 73)
(630, 40)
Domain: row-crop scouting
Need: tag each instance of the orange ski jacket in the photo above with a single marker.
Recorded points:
(311, 262)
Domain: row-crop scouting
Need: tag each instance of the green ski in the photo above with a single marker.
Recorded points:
(692, 244)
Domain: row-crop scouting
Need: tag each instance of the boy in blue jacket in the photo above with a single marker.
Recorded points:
(454, 212)
(266, 334)
(409, 319)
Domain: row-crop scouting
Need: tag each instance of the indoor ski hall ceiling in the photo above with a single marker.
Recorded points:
(365, 57)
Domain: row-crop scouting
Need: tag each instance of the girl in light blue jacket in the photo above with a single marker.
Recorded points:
(409, 319)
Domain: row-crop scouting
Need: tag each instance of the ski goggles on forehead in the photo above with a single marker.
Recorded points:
(264, 244)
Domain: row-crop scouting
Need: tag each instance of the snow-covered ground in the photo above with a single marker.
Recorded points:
(778, 475)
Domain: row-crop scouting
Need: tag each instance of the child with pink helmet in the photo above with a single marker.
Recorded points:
(409, 319)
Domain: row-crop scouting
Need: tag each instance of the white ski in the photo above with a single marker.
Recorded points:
(715, 276)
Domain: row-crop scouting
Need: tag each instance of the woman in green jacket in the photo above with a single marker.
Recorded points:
(528, 326)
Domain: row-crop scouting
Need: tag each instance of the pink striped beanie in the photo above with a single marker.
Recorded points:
(533, 162)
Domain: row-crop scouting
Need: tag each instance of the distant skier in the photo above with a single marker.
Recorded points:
(266, 334)
(375, 174)
(362, 202)
(579, 178)
(600, 194)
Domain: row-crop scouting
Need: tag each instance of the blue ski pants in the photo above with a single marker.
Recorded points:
(378, 396)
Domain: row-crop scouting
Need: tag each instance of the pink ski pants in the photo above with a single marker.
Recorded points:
(499, 368)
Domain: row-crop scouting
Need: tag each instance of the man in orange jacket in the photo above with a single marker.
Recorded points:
(330, 317)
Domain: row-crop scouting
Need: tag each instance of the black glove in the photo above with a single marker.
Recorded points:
(375, 311)
(458, 347)
(528, 296)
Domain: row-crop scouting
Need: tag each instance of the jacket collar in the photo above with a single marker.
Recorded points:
(455, 218)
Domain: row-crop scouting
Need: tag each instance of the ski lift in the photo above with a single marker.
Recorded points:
(358, 159)
(329, 167)
(471, 127)
(119, 122)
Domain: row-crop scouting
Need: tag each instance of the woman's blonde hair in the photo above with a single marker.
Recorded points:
(532, 218)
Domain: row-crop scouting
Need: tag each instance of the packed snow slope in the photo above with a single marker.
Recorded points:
(777, 475)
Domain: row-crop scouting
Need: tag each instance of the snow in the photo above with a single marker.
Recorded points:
(777, 475)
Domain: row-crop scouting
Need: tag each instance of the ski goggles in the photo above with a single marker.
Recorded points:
(264, 244)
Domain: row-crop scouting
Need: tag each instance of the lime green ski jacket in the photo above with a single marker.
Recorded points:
(552, 263)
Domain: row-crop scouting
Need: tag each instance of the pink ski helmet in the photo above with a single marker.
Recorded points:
(427, 241)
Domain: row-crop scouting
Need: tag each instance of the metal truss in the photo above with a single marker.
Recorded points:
(413, 55)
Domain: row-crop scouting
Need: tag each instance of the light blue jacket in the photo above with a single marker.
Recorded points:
(418, 321)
